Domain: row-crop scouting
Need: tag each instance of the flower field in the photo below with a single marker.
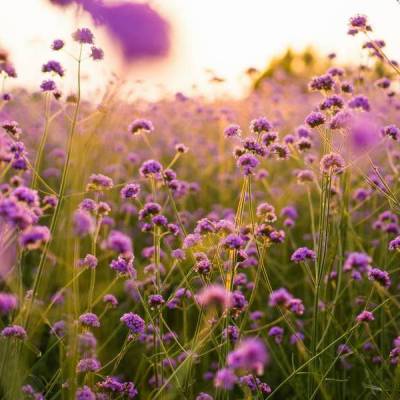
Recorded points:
(201, 249)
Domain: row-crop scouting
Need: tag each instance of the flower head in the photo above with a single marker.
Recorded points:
(332, 162)
(89, 319)
(134, 322)
(141, 126)
(250, 355)
(83, 36)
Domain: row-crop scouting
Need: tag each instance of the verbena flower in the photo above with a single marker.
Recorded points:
(14, 331)
(90, 320)
(48, 85)
(380, 276)
(260, 125)
(247, 163)
(232, 131)
(150, 168)
(214, 295)
(365, 316)
(332, 163)
(53, 66)
(83, 36)
(57, 44)
(249, 355)
(130, 191)
(303, 254)
(315, 119)
(134, 322)
(225, 379)
(99, 182)
(96, 53)
(119, 242)
(88, 365)
(8, 302)
(141, 126)
(34, 237)
(85, 393)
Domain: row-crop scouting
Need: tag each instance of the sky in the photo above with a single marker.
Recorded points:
(225, 36)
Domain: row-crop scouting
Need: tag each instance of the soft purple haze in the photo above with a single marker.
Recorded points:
(141, 31)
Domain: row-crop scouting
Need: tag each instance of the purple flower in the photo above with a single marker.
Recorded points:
(112, 385)
(360, 102)
(394, 244)
(88, 365)
(34, 237)
(364, 133)
(48, 85)
(53, 66)
(8, 69)
(191, 240)
(57, 44)
(50, 201)
(85, 393)
(83, 36)
(83, 223)
(254, 384)
(225, 378)
(214, 294)
(99, 182)
(141, 126)
(260, 125)
(332, 163)
(233, 242)
(150, 168)
(58, 328)
(382, 277)
(111, 300)
(204, 396)
(238, 300)
(315, 119)
(277, 333)
(119, 242)
(303, 254)
(124, 265)
(231, 333)
(279, 297)
(296, 337)
(89, 319)
(90, 261)
(334, 102)
(96, 53)
(347, 87)
(248, 163)
(392, 131)
(365, 316)
(340, 120)
(359, 261)
(15, 331)
(383, 83)
(156, 300)
(358, 23)
(8, 302)
(250, 355)
(203, 265)
(323, 82)
(281, 151)
(130, 191)
(134, 322)
(268, 138)
(232, 131)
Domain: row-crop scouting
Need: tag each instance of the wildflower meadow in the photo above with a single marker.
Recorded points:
(200, 249)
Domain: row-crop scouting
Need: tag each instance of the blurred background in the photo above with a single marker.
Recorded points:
(201, 47)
